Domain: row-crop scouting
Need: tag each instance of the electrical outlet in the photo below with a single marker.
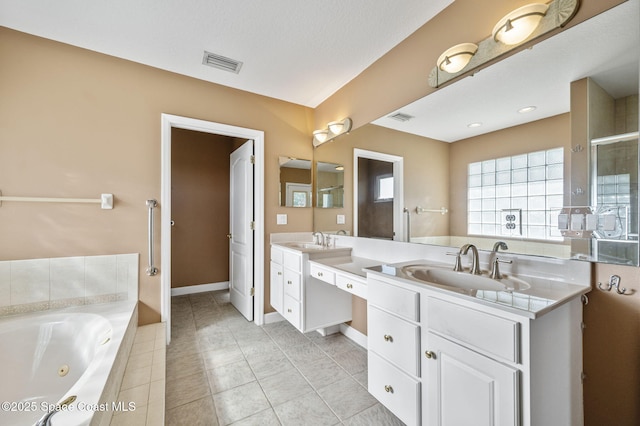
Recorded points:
(511, 222)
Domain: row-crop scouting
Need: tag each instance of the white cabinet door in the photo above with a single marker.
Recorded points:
(466, 388)
(276, 291)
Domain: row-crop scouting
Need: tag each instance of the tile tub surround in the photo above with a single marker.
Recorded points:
(143, 383)
(42, 284)
(222, 369)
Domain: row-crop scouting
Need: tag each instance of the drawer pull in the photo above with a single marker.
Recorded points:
(319, 274)
(349, 285)
(430, 355)
(388, 338)
(279, 273)
(388, 388)
(289, 282)
(289, 310)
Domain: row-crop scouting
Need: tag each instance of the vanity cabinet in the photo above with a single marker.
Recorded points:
(470, 363)
(306, 296)
(394, 349)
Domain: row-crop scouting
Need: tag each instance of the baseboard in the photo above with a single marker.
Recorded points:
(272, 317)
(353, 334)
(200, 288)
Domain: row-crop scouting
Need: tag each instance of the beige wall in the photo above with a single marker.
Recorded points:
(75, 123)
(200, 196)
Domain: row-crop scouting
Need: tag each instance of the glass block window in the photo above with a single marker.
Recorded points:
(517, 196)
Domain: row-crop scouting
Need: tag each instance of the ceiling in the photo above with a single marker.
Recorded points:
(300, 51)
(606, 48)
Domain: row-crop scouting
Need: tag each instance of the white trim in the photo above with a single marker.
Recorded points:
(272, 317)
(199, 288)
(398, 186)
(354, 335)
(169, 121)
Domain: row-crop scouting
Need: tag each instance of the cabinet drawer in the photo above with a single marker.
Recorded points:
(400, 301)
(396, 340)
(292, 284)
(292, 261)
(397, 391)
(489, 333)
(356, 286)
(291, 311)
(276, 254)
(322, 274)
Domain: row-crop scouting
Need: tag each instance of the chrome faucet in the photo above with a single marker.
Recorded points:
(46, 419)
(499, 245)
(341, 232)
(495, 269)
(319, 238)
(475, 263)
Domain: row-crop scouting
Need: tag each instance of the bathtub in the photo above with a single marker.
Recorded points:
(48, 357)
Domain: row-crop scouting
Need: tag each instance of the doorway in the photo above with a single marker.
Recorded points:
(378, 195)
(170, 122)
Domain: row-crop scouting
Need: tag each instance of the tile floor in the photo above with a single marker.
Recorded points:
(222, 369)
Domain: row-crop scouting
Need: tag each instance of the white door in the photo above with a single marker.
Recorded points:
(241, 236)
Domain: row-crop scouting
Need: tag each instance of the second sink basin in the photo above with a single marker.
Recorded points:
(462, 280)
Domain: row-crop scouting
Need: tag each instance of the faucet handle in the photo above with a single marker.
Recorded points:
(495, 270)
(458, 265)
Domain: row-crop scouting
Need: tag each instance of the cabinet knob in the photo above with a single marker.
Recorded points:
(349, 285)
(289, 310)
(289, 282)
(388, 388)
(430, 355)
(279, 273)
(319, 274)
(388, 338)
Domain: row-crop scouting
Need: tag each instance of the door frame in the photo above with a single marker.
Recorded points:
(398, 188)
(168, 122)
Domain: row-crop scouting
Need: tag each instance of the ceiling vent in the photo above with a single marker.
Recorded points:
(401, 116)
(221, 62)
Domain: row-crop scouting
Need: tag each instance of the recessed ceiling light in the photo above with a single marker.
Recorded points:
(476, 124)
(526, 109)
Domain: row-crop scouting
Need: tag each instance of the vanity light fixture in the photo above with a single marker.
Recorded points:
(519, 24)
(522, 25)
(339, 168)
(455, 58)
(527, 109)
(335, 129)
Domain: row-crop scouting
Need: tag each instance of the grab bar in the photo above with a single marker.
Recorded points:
(441, 210)
(151, 270)
(105, 200)
(408, 212)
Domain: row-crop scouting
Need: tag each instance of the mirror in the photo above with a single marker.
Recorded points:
(330, 185)
(439, 146)
(295, 182)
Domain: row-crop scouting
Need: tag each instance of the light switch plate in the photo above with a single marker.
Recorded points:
(340, 219)
(281, 219)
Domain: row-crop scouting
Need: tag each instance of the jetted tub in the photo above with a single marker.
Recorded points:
(48, 357)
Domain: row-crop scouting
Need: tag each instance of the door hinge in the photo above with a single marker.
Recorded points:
(253, 291)
(252, 225)
(253, 159)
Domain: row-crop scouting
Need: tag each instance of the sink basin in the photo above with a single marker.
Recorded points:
(462, 280)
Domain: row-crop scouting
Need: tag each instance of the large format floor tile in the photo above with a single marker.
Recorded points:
(223, 370)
